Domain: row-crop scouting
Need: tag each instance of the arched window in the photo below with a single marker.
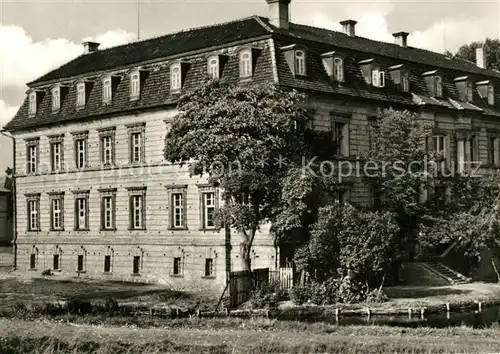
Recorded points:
(32, 103)
(405, 82)
(213, 68)
(245, 64)
(135, 85)
(80, 95)
(106, 90)
(300, 62)
(470, 91)
(338, 69)
(175, 77)
(491, 95)
(56, 99)
(438, 86)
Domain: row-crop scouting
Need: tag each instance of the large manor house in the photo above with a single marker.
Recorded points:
(95, 196)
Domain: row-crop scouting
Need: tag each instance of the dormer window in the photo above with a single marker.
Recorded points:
(80, 95)
(438, 86)
(107, 90)
(378, 78)
(400, 77)
(469, 91)
(246, 63)
(135, 85)
(405, 81)
(32, 103)
(175, 77)
(300, 62)
(465, 88)
(338, 69)
(491, 95)
(56, 99)
(213, 67)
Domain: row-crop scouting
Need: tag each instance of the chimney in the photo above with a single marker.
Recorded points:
(349, 27)
(90, 47)
(480, 58)
(279, 13)
(401, 39)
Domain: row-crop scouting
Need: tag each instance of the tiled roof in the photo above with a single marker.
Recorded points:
(153, 54)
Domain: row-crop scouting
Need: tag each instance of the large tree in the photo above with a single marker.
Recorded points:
(491, 51)
(246, 139)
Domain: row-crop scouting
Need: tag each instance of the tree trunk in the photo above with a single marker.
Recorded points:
(245, 257)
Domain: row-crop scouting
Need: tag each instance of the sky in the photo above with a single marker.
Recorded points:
(39, 35)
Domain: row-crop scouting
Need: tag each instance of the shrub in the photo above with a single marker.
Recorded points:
(268, 296)
(111, 306)
(318, 293)
(301, 294)
(19, 309)
(375, 296)
(78, 306)
(46, 272)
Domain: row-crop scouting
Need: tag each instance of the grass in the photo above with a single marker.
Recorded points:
(241, 336)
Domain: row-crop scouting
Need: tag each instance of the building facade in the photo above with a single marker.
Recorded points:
(95, 197)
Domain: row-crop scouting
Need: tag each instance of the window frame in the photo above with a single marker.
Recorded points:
(56, 197)
(33, 209)
(81, 195)
(77, 137)
(405, 81)
(438, 86)
(180, 266)
(104, 194)
(493, 150)
(469, 94)
(172, 191)
(338, 75)
(140, 129)
(56, 99)
(33, 260)
(436, 139)
(213, 67)
(245, 63)
(300, 62)
(135, 85)
(56, 140)
(138, 264)
(105, 134)
(176, 77)
(32, 103)
(107, 90)
(343, 121)
(209, 268)
(32, 155)
(491, 94)
(204, 190)
(81, 93)
(133, 193)
(379, 75)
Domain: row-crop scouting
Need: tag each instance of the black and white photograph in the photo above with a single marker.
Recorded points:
(256, 176)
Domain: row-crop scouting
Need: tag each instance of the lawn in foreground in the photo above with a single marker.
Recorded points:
(244, 336)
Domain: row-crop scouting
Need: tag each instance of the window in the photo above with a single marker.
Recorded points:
(208, 209)
(107, 146)
(136, 143)
(80, 95)
(491, 95)
(439, 197)
(209, 267)
(338, 69)
(438, 86)
(177, 269)
(56, 99)
(32, 103)
(213, 67)
(107, 94)
(33, 257)
(137, 208)
(80, 263)
(300, 62)
(32, 156)
(245, 64)
(378, 78)
(177, 210)
(136, 265)
(439, 145)
(473, 149)
(493, 150)
(56, 153)
(81, 211)
(107, 264)
(57, 212)
(135, 86)
(405, 82)
(340, 196)
(33, 202)
(81, 152)
(108, 209)
(469, 91)
(175, 77)
(55, 263)
(340, 132)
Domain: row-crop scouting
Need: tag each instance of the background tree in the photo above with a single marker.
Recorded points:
(246, 139)
(491, 51)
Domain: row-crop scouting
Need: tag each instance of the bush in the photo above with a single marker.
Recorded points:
(111, 306)
(301, 294)
(268, 295)
(78, 306)
(374, 297)
(47, 272)
(318, 293)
